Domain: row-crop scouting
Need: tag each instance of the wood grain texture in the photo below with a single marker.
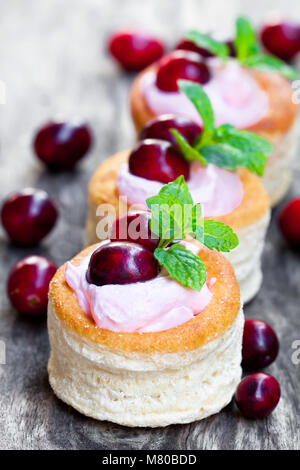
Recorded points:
(53, 62)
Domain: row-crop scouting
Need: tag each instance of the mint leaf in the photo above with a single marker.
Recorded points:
(177, 191)
(171, 211)
(218, 236)
(230, 157)
(223, 155)
(245, 42)
(255, 148)
(244, 140)
(270, 63)
(183, 266)
(200, 100)
(190, 153)
(217, 48)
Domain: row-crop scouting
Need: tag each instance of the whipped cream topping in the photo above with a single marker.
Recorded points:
(236, 97)
(155, 305)
(219, 191)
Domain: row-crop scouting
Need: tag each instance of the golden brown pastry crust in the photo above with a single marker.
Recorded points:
(103, 189)
(278, 120)
(212, 322)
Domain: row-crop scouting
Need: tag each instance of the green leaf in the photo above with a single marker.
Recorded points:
(218, 236)
(244, 140)
(245, 42)
(223, 155)
(183, 266)
(217, 48)
(171, 211)
(254, 148)
(189, 152)
(270, 63)
(177, 191)
(200, 100)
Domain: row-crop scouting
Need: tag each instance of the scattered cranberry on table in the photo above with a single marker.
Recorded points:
(282, 39)
(121, 263)
(181, 65)
(289, 222)
(260, 345)
(157, 160)
(28, 216)
(134, 227)
(160, 128)
(28, 285)
(134, 51)
(257, 395)
(60, 145)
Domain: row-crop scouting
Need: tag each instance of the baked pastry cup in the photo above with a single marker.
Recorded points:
(279, 125)
(249, 220)
(179, 375)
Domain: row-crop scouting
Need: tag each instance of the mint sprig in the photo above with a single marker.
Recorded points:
(223, 146)
(247, 48)
(204, 41)
(173, 217)
(245, 41)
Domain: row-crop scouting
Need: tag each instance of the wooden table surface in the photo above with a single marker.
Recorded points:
(53, 63)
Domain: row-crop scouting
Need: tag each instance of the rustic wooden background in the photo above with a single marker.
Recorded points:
(53, 62)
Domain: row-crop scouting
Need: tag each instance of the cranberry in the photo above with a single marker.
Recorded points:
(157, 160)
(260, 345)
(28, 285)
(257, 395)
(159, 128)
(135, 51)
(60, 145)
(282, 39)
(289, 222)
(181, 65)
(121, 263)
(186, 45)
(28, 216)
(231, 48)
(134, 227)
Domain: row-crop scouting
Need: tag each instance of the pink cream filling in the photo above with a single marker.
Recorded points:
(155, 305)
(236, 97)
(219, 191)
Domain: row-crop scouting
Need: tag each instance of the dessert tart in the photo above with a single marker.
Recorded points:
(237, 198)
(141, 341)
(249, 91)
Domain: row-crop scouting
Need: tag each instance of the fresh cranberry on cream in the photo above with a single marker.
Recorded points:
(236, 97)
(219, 191)
(155, 305)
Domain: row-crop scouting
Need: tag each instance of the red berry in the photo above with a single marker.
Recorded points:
(28, 216)
(28, 285)
(186, 45)
(135, 51)
(134, 227)
(121, 263)
(181, 65)
(157, 160)
(60, 145)
(289, 222)
(257, 395)
(260, 345)
(282, 39)
(159, 128)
